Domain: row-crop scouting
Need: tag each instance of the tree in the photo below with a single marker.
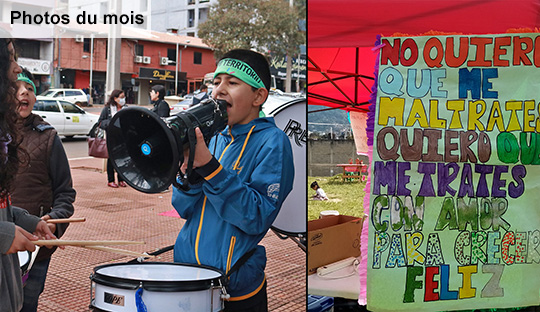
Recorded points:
(269, 26)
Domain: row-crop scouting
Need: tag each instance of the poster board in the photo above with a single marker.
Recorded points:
(454, 220)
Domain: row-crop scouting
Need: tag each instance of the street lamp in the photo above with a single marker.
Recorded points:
(91, 67)
(178, 59)
(91, 64)
(176, 72)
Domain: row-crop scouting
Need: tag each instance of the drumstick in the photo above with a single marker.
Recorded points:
(66, 220)
(119, 251)
(59, 242)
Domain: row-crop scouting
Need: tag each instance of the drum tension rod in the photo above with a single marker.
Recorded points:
(91, 289)
(224, 294)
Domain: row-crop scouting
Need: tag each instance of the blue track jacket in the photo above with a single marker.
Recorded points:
(230, 212)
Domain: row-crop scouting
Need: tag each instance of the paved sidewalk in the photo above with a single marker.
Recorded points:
(126, 214)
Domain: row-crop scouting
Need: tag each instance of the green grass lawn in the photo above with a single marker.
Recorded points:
(345, 197)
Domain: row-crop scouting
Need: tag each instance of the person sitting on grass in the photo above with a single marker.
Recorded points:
(320, 194)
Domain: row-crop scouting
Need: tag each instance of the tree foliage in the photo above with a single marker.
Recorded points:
(268, 26)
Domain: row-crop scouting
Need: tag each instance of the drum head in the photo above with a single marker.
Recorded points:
(157, 276)
(291, 118)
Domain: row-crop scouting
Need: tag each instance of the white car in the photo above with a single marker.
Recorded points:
(180, 106)
(68, 119)
(75, 96)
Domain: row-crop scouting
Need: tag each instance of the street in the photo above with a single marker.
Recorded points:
(77, 147)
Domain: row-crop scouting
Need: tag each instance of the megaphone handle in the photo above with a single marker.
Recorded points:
(192, 145)
(192, 139)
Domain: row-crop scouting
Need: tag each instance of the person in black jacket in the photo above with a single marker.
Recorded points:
(116, 102)
(157, 95)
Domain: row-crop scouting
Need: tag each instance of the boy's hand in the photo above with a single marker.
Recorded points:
(52, 226)
(202, 153)
(43, 231)
(22, 241)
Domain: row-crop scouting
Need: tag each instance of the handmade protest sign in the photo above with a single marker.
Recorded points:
(455, 190)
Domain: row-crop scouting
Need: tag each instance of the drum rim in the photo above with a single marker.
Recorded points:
(278, 109)
(288, 233)
(157, 286)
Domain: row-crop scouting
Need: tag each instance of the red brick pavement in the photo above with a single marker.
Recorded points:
(126, 214)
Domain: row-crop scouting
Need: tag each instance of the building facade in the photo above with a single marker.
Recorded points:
(182, 16)
(143, 63)
(34, 54)
(101, 7)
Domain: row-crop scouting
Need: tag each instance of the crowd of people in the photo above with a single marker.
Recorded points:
(238, 182)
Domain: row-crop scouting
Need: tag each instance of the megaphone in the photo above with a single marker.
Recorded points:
(146, 150)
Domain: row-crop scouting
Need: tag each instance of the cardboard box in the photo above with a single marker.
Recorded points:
(331, 239)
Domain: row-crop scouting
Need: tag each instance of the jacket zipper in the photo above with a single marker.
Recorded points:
(235, 167)
(199, 232)
(230, 255)
(203, 208)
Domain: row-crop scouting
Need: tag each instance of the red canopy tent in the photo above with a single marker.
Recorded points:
(342, 33)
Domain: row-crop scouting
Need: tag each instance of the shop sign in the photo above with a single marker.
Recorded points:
(36, 67)
(160, 74)
(278, 67)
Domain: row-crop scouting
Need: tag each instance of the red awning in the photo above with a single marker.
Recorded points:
(341, 34)
(343, 80)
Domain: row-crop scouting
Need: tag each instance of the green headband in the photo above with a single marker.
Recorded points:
(23, 77)
(240, 70)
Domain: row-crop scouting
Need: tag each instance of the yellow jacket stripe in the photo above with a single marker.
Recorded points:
(231, 250)
(213, 174)
(225, 149)
(251, 294)
(243, 148)
(199, 232)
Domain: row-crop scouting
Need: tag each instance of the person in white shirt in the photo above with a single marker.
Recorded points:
(320, 194)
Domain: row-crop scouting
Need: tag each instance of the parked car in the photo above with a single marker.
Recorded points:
(185, 102)
(68, 119)
(75, 96)
(180, 106)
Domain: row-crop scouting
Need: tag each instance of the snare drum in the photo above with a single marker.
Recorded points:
(165, 287)
(24, 262)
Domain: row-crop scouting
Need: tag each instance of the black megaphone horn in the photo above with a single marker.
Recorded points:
(146, 150)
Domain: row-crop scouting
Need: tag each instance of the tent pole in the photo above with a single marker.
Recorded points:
(356, 77)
